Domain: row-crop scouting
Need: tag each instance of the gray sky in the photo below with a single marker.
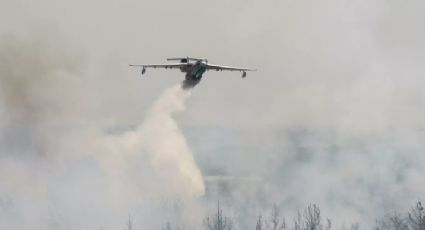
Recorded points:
(334, 116)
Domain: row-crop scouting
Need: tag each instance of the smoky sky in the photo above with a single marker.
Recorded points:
(334, 116)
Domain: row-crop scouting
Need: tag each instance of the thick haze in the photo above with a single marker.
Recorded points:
(334, 116)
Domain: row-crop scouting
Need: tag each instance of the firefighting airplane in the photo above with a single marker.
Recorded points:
(194, 69)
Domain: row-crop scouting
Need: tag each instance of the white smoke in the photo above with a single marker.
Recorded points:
(159, 145)
(59, 169)
(333, 117)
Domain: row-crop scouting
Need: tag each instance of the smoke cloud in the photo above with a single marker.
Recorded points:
(162, 143)
(334, 116)
(61, 170)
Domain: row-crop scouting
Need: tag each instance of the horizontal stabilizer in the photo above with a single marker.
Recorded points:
(184, 59)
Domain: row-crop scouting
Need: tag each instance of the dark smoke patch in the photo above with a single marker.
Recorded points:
(39, 84)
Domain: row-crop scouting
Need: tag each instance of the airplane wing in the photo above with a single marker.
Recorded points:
(164, 66)
(220, 68)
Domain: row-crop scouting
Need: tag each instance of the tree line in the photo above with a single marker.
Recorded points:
(310, 218)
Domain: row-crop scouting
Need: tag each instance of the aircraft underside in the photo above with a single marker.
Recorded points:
(194, 76)
(191, 81)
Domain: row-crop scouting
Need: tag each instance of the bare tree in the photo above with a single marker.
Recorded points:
(311, 219)
(276, 222)
(416, 217)
(298, 221)
(218, 221)
(259, 225)
(392, 222)
(129, 224)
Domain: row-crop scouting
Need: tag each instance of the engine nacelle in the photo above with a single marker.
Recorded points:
(243, 74)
